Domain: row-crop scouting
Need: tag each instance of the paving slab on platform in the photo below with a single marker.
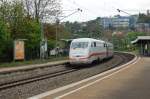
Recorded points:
(131, 83)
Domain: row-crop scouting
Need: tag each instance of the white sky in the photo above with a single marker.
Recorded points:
(99, 8)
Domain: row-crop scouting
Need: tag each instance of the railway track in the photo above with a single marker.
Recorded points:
(11, 84)
(33, 79)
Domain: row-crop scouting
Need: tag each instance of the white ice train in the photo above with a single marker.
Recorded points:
(88, 50)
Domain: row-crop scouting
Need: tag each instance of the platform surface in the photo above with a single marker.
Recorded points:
(132, 82)
(9, 69)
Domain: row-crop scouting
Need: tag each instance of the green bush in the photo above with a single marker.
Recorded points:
(5, 43)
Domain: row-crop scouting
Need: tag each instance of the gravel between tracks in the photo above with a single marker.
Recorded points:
(15, 76)
(28, 90)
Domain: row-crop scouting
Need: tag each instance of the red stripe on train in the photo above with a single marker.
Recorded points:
(92, 54)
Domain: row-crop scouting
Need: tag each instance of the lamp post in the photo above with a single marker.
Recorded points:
(132, 24)
(43, 42)
(123, 11)
(57, 24)
(59, 20)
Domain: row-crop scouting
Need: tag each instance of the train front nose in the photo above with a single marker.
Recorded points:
(79, 57)
(78, 60)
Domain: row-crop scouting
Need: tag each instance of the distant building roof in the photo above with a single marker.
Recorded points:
(141, 38)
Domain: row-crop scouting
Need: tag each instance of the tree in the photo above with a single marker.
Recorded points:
(133, 35)
(143, 18)
(32, 34)
(85, 29)
(123, 42)
(6, 11)
(5, 42)
(94, 28)
(16, 25)
(42, 9)
(63, 33)
(19, 19)
(50, 31)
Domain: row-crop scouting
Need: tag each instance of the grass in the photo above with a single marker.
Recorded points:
(30, 62)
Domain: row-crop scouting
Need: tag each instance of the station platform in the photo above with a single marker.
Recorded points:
(32, 66)
(129, 82)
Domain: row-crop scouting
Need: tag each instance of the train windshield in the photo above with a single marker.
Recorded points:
(79, 45)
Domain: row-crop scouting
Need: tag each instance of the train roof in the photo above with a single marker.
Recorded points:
(87, 40)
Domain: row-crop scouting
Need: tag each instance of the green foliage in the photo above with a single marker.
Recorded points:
(32, 33)
(85, 29)
(50, 31)
(17, 20)
(3, 36)
(5, 42)
(17, 23)
(51, 44)
(133, 35)
(3, 31)
(94, 29)
(124, 42)
(63, 33)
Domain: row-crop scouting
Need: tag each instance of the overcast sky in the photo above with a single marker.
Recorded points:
(100, 8)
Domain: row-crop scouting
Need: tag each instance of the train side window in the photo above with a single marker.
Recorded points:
(104, 45)
(94, 44)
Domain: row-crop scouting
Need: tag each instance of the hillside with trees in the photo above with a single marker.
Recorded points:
(90, 28)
